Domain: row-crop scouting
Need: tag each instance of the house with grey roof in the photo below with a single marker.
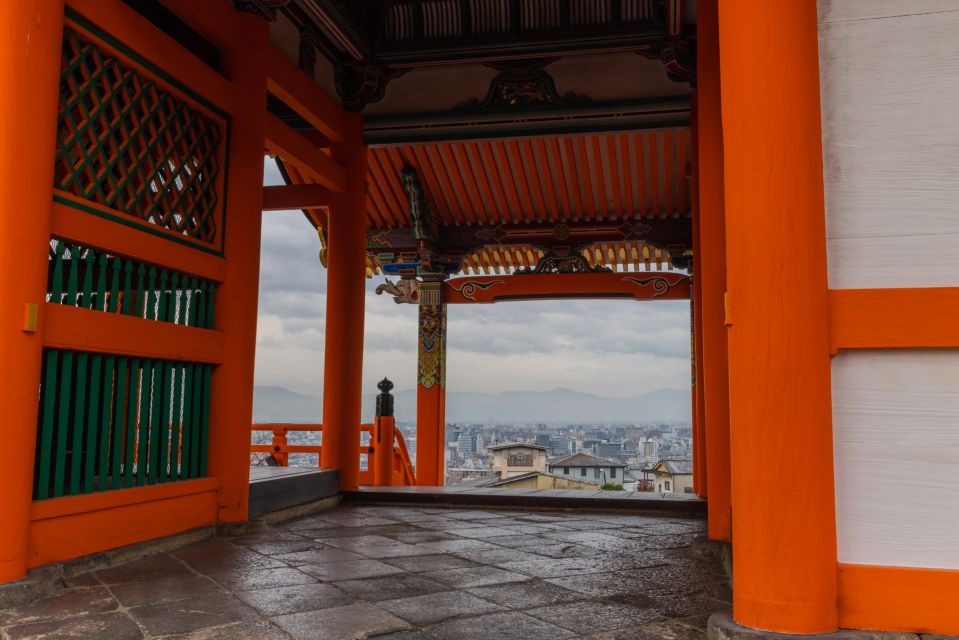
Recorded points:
(671, 475)
(588, 468)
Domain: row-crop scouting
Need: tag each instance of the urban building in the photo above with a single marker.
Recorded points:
(588, 468)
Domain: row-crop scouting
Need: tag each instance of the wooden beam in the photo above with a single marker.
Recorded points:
(295, 196)
(629, 285)
(301, 93)
(292, 147)
(100, 332)
(72, 224)
(894, 318)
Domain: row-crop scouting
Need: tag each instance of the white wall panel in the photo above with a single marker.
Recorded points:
(890, 106)
(896, 436)
(839, 10)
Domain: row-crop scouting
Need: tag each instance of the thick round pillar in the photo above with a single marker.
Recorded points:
(431, 387)
(30, 42)
(784, 545)
(345, 308)
(231, 390)
(711, 269)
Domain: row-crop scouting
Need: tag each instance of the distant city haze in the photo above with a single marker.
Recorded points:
(565, 406)
(619, 350)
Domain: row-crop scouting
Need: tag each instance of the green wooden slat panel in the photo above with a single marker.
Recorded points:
(186, 436)
(127, 288)
(197, 402)
(151, 301)
(210, 306)
(158, 472)
(86, 293)
(50, 376)
(200, 300)
(100, 302)
(119, 404)
(116, 267)
(175, 301)
(133, 388)
(63, 422)
(56, 291)
(138, 300)
(106, 420)
(79, 414)
(93, 423)
(156, 398)
(176, 436)
(163, 302)
(73, 277)
(205, 419)
(143, 421)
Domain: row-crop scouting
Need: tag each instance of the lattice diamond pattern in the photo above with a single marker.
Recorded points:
(125, 143)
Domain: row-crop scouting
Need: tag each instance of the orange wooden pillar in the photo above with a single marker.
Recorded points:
(30, 41)
(345, 304)
(231, 400)
(431, 387)
(711, 270)
(784, 547)
(700, 446)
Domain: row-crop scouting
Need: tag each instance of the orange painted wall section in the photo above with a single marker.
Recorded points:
(784, 546)
(711, 273)
(899, 599)
(72, 535)
(30, 41)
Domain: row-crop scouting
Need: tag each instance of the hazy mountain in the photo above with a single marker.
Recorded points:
(277, 404)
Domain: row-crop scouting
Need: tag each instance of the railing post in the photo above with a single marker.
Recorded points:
(383, 436)
(279, 440)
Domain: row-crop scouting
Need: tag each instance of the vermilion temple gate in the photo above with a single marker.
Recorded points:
(132, 137)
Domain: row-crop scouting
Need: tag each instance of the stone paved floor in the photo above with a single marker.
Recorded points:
(398, 573)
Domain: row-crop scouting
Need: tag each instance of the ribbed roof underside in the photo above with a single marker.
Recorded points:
(579, 178)
(444, 19)
(603, 176)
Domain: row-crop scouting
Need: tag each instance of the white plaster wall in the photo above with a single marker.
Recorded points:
(896, 434)
(890, 106)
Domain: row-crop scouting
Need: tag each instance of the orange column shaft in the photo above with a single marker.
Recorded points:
(711, 271)
(345, 308)
(784, 551)
(30, 41)
(700, 437)
(231, 400)
(383, 438)
(431, 387)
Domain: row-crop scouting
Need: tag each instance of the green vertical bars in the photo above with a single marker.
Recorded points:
(47, 417)
(143, 420)
(119, 405)
(129, 433)
(93, 424)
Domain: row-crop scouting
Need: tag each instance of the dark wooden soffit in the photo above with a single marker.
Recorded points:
(408, 33)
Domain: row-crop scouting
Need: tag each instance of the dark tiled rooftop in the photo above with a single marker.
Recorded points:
(403, 573)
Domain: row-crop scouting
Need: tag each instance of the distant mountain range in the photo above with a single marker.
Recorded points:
(278, 404)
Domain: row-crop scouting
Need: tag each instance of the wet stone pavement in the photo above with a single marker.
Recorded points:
(403, 573)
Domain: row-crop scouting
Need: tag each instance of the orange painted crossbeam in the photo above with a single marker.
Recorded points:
(301, 93)
(898, 599)
(88, 330)
(295, 196)
(284, 426)
(894, 318)
(294, 148)
(74, 225)
(285, 448)
(634, 285)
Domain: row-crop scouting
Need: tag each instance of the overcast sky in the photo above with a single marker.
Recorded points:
(607, 347)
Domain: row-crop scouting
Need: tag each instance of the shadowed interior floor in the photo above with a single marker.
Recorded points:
(403, 573)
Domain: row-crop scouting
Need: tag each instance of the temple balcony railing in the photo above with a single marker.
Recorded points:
(385, 465)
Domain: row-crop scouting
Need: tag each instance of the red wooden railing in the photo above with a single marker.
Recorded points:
(399, 471)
